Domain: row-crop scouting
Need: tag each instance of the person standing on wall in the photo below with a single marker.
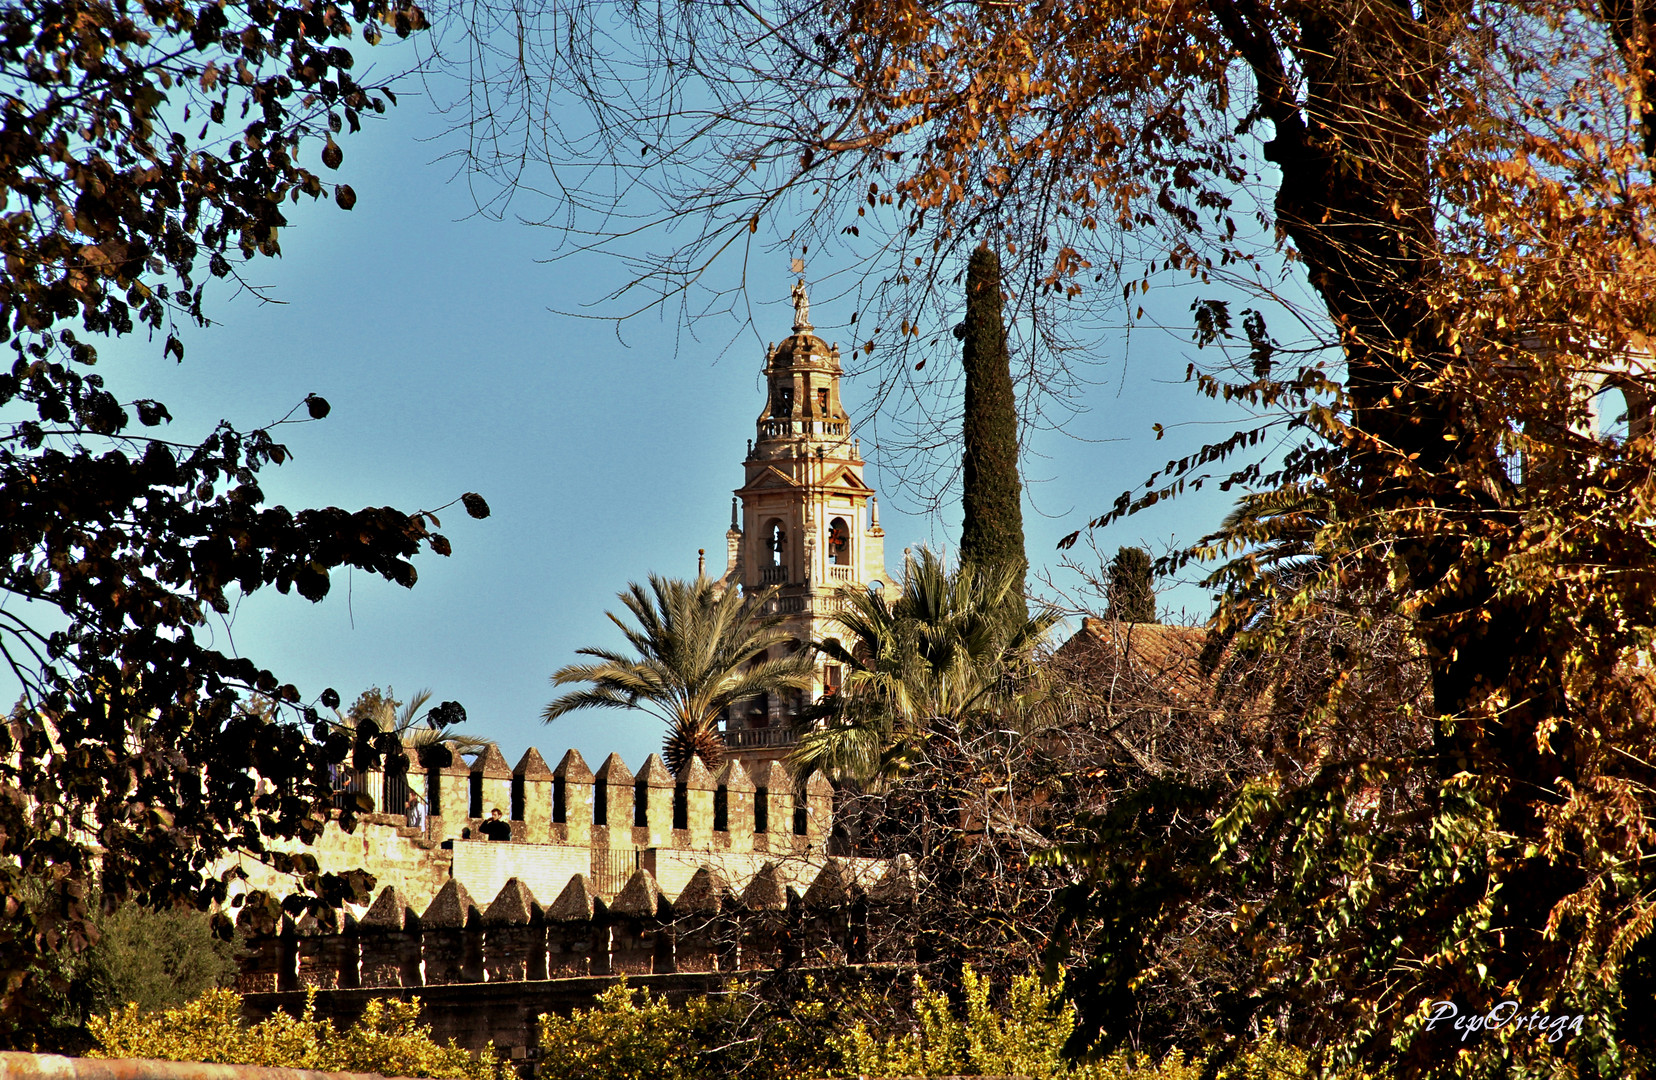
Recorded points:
(415, 811)
(496, 827)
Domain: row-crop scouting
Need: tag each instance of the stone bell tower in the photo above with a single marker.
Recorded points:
(803, 521)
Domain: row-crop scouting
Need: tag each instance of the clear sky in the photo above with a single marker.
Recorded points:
(605, 456)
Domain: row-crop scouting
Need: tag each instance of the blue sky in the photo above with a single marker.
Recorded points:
(605, 455)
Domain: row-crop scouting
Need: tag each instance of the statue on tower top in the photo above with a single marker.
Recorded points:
(802, 307)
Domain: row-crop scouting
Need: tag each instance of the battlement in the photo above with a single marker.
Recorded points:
(617, 808)
(850, 911)
(570, 821)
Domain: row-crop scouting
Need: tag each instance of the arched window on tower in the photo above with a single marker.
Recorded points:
(776, 542)
(833, 673)
(839, 542)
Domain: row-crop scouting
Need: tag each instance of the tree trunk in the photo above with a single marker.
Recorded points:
(1354, 198)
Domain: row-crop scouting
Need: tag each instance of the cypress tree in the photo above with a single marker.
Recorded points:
(1132, 596)
(992, 532)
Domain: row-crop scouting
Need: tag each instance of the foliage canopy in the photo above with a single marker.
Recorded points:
(991, 529)
(951, 653)
(388, 1039)
(1466, 189)
(147, 150)
(632, 1035)
(1131, 587)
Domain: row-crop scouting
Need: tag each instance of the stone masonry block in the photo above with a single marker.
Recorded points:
(641, 940)
(577, 932)
(658, 800)
(532, 787)
(574, 780)
(453, 936)
(514, 941)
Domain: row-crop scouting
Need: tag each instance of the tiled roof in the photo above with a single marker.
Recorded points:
(1136, 661)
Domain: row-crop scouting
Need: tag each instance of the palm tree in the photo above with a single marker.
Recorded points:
(402, 718)
(697, 649)
(1274, 540)
(432, 742)
(944, 656)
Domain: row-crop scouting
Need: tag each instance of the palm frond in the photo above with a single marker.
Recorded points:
(595, 698)
(691, 656)
(945, 652)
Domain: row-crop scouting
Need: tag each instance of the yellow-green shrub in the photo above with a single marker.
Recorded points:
(389, 1039)
(630, 1035)
(1023, 1036)
(624, 1038)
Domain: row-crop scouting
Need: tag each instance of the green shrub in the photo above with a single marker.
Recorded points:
(630, 1035)
(1024, 1035)
(156, 959)
(388, 1039)
(1021, 1039)
(623, 1038)
(1021, 1036)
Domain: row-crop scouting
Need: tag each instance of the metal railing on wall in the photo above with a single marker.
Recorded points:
(760, 738)
(612, 868)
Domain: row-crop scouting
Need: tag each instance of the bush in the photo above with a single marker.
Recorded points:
(388, 1039)
(1024, 1036)
(1021, 1036)
(630, 1035)
(155, 959)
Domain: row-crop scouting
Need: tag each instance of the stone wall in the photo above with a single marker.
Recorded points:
(486, 867)
(571, 821)
(399, 857)
(459, 954)
(852, 910)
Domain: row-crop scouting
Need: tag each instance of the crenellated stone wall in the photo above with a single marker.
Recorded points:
(570, 821)
(850, 912)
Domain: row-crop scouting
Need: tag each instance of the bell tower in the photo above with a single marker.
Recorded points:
(804, 522)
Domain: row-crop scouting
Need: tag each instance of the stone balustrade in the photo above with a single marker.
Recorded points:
(710, 927)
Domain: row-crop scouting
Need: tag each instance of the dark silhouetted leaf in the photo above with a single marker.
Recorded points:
(151, 413)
